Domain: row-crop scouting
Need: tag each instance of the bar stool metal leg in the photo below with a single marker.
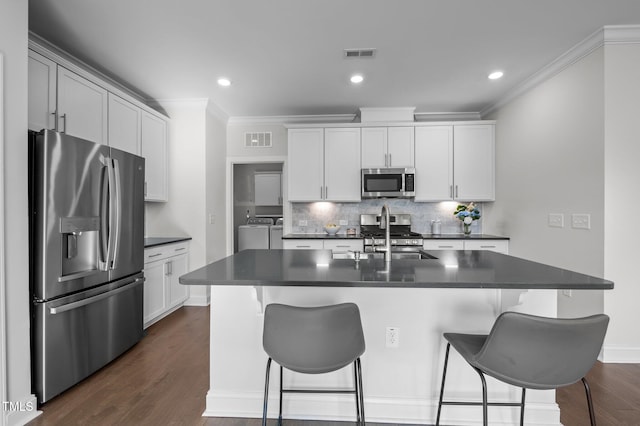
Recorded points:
(266, 394)
(587, 390)
(280, 409)
(485, 408)
(360, 394)
(524, 391)
(444, 375)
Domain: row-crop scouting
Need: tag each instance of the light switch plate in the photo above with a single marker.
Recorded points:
(556, 220)
(581, 221)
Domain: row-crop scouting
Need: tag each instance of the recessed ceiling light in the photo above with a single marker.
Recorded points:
(224, 82)
(357, 78)
(495, 75)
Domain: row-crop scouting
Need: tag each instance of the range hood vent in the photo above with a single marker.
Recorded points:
(257, 140)
(359, 53)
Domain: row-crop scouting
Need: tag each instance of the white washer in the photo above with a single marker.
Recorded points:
(255, 234)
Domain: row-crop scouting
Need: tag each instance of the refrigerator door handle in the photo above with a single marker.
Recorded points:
(92, 299)
(111, 212)
(117, 200)
(104, 219)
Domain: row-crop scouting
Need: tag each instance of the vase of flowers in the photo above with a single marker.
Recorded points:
(467, 214)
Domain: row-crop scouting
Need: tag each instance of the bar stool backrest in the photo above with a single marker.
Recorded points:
(313, 340)
(541, 353)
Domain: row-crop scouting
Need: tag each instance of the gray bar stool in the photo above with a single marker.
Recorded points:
(314, 340)
(530, 352)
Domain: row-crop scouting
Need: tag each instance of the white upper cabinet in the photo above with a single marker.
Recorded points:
(82, 107)
(306, 164)
(387, 147)
(341, 165)
(324, 164)
(474, 162)
(154, 149)
(124, 125)
(42, 92)
(268, 189)
(455, 162)
(434, 163)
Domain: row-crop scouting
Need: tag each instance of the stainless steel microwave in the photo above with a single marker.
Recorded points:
(388, 183)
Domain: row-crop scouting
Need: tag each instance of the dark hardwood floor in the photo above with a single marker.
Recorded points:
(164, 378)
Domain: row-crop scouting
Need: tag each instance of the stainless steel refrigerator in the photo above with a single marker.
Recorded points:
(87, 248)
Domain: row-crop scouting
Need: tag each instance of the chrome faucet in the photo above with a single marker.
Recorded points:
(385, 223)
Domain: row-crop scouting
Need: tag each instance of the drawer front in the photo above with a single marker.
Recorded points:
(341, 246)
(443, 245)
(302, 244)
(162, 252)
(501, 246)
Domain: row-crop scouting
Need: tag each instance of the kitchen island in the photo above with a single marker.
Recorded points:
(460, 291)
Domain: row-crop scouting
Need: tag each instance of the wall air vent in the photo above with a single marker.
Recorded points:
(257, 140)
(359, 53)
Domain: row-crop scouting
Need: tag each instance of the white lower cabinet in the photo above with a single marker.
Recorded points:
(163, 293)
(500, 246)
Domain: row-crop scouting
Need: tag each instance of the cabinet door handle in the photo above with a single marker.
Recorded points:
(390, 162)
(456, 191)
(321, 194)
(445, 246)
(487, 246)
(451, 191)
(339, 245)
(303, 246)
(326, 192)
(155, 255)
(54, 127)
(63, 117)
(179, 249)
(386, 161)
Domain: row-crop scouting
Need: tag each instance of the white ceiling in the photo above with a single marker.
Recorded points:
(285, 57)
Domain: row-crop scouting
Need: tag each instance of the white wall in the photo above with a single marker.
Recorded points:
(185, 212)
(13, 45)
(549, 159)
(622, 176)
(216, 136)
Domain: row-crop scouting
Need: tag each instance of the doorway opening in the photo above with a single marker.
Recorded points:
(257, 196)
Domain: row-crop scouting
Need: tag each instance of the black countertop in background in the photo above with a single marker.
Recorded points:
(450, 269)
(159, 241)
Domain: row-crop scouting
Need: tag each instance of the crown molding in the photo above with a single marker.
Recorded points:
(607, 35)
(293, 119)
(446, 116)
(621, 34)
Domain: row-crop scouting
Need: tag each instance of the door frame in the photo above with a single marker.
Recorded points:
(286, 206)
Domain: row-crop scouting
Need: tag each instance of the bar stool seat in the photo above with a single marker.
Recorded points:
(314, 340)
(530, 352)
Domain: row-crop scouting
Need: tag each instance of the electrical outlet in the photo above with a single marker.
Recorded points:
(581, 221)
(344, 222)
(393, 337)
(212, 219)
(567, 292)
(302, 223)
(555, 220)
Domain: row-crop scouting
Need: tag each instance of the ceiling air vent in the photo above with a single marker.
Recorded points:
(257, 140)
(359, 53)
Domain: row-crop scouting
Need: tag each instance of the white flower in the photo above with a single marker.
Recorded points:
(468, 220)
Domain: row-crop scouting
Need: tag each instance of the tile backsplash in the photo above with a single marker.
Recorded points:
(318, 214)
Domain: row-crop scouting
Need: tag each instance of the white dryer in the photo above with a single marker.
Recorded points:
(255, 234)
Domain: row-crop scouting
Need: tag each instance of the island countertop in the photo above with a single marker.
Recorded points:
(450, 269)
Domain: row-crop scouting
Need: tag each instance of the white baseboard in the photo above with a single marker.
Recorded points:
(18, 413)
(620, 354)
(198, 301)
(383, 410)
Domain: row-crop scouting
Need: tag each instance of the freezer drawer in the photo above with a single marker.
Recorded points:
(75, 336)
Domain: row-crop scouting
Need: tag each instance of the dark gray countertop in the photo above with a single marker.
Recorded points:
(300, 236)
(451, 269)
(159, 241)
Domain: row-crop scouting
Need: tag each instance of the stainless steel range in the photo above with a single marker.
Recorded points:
(404, 242)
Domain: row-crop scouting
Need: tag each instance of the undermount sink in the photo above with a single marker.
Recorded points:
(379, 255)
